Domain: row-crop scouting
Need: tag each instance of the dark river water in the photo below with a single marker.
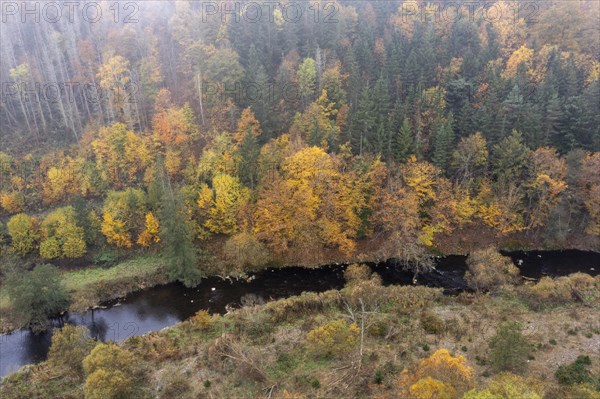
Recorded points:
(159, 307)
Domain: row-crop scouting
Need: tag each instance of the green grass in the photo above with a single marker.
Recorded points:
(144, 265)
(79, 282)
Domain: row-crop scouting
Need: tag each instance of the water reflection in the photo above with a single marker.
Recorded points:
(159, 307)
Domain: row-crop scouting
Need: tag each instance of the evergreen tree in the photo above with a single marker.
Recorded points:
(177, 236)
(364, 122)
(257, 91)
(404, 141)
(443, 137)
(509, 158)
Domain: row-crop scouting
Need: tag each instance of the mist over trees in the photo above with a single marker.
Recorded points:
(356, 120)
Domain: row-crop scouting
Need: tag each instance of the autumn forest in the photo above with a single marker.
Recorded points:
(220, 138)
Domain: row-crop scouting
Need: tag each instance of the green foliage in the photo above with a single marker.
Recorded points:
(70, 345)
(307, 75)
(110, 372)
(576, 372)
(23, 233)
(177, 237)
(62, 235)
(510, 158)
(404, 141)
(509, 349)
(37, 295)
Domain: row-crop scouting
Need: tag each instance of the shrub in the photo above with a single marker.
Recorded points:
(334, 338)
(356, 272)
(176, 385)
(291, 395)
(296, 306)
(109, 371)
(509, 386)
(201, 320)
(109, 356)
(509, 349)
(432, 323)
(244, 250)
(575, 373)
(577, 391)
(488, 270)
(577, 286)
(70, 345)
(439, 376)
(105, 384)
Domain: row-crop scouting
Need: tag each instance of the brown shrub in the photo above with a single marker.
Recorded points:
(432, 323)
(551, 292)
(356, 272)
(295, 307)
(489, 270)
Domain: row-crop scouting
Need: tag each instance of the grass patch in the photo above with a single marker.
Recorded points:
(139, 267)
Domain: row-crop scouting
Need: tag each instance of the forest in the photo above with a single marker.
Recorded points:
(149, 142)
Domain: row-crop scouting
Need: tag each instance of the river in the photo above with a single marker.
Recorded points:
(155, 308)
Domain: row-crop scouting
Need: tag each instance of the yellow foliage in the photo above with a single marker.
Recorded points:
(335, 338)
(201, 319)
(115, 232)
(429, 388)
(421, 177)
(441, 374)
(222, 203)
(247, 125)
(312, 204)
(509, 386)
(105, 384)
(62, 236)
(23, 230)
(12, 202)
(120, 154)
(74, 246)
(523, 55)
(50, 248)
(589, 182)
(150, 234)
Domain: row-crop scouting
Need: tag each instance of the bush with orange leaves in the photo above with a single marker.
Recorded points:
(440, 376)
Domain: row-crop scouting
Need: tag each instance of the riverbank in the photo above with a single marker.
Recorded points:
(271, 348)
(89, 287)
(92, 286)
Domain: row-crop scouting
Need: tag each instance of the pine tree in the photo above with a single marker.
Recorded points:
(443, 137)
(404, 141)
(381, 109)
(176, 232)
(256, 90)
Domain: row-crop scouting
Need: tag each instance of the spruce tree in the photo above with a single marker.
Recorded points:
(404, 141)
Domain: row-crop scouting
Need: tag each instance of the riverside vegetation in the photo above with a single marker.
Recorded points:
(366, 340)
(406, 139)
(219, 146)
